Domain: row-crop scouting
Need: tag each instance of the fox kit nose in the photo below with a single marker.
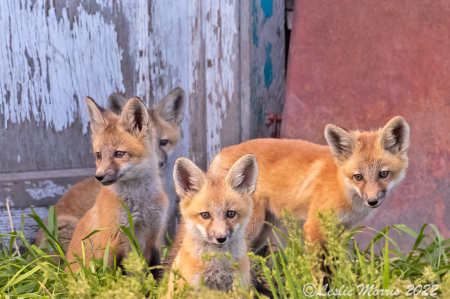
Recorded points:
(221, 239)
(373, 201)
(99, 177)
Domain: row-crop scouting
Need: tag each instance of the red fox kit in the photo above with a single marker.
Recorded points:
(166, 119)
(215, 212)
(352, 176)
(127, 167)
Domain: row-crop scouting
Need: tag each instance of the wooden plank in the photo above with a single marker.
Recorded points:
(50, 64)
(34, 189)
(49, 174)
(222, 74)
(32, 146)
(268, 59)
(245, 18)
(197, 86)
(38, 191)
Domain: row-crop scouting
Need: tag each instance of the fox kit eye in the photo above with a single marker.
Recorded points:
(98, 155)
(205, 215)
(163, 142)
(358, 177)
(383, 174)
(231, 214)
(119, 154)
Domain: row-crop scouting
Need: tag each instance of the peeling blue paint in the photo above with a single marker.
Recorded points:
(255, 23)
(266, 6)
(268, 72)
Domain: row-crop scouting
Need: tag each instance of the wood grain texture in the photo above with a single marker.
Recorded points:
(222, 74)
(197, 85)
(267, 63)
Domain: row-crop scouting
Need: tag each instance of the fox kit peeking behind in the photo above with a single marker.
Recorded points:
(166, 119)
(352, 176)
(127, 167)
(215, 213)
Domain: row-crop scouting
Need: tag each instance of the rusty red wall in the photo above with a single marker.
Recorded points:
(359, 63)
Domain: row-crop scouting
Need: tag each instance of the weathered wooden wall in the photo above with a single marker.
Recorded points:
(227, 55)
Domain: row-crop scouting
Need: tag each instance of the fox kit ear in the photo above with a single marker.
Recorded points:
(243, 175)
(171, 108)
(394, 137)
(188, 178)
(340, 141)
(116, 102)
(95, 114)
(134, 117)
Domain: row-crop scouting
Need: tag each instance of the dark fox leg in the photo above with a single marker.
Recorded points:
(328, 274)
(155, 260)
(259, 287)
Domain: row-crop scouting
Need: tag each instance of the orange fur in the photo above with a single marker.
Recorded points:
(73, 205)
(127, 168)
(109, 205)
(215, 213)
(306, 178)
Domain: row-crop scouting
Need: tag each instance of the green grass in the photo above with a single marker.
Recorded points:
(288, 271)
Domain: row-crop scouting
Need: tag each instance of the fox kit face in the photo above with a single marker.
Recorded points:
(371, 162)
(216, 210)
(122, 147)
(166, 117)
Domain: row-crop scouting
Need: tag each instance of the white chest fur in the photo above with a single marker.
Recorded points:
(358, 213)
(140, 197)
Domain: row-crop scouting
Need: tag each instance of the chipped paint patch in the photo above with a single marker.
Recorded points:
(221, 36)
(266, 6)
(49, 65)
(268, 72)
(268, 76)
(46, 189)
(160, 51)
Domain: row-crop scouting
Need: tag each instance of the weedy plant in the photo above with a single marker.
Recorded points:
(294, 270)
(297, 269)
